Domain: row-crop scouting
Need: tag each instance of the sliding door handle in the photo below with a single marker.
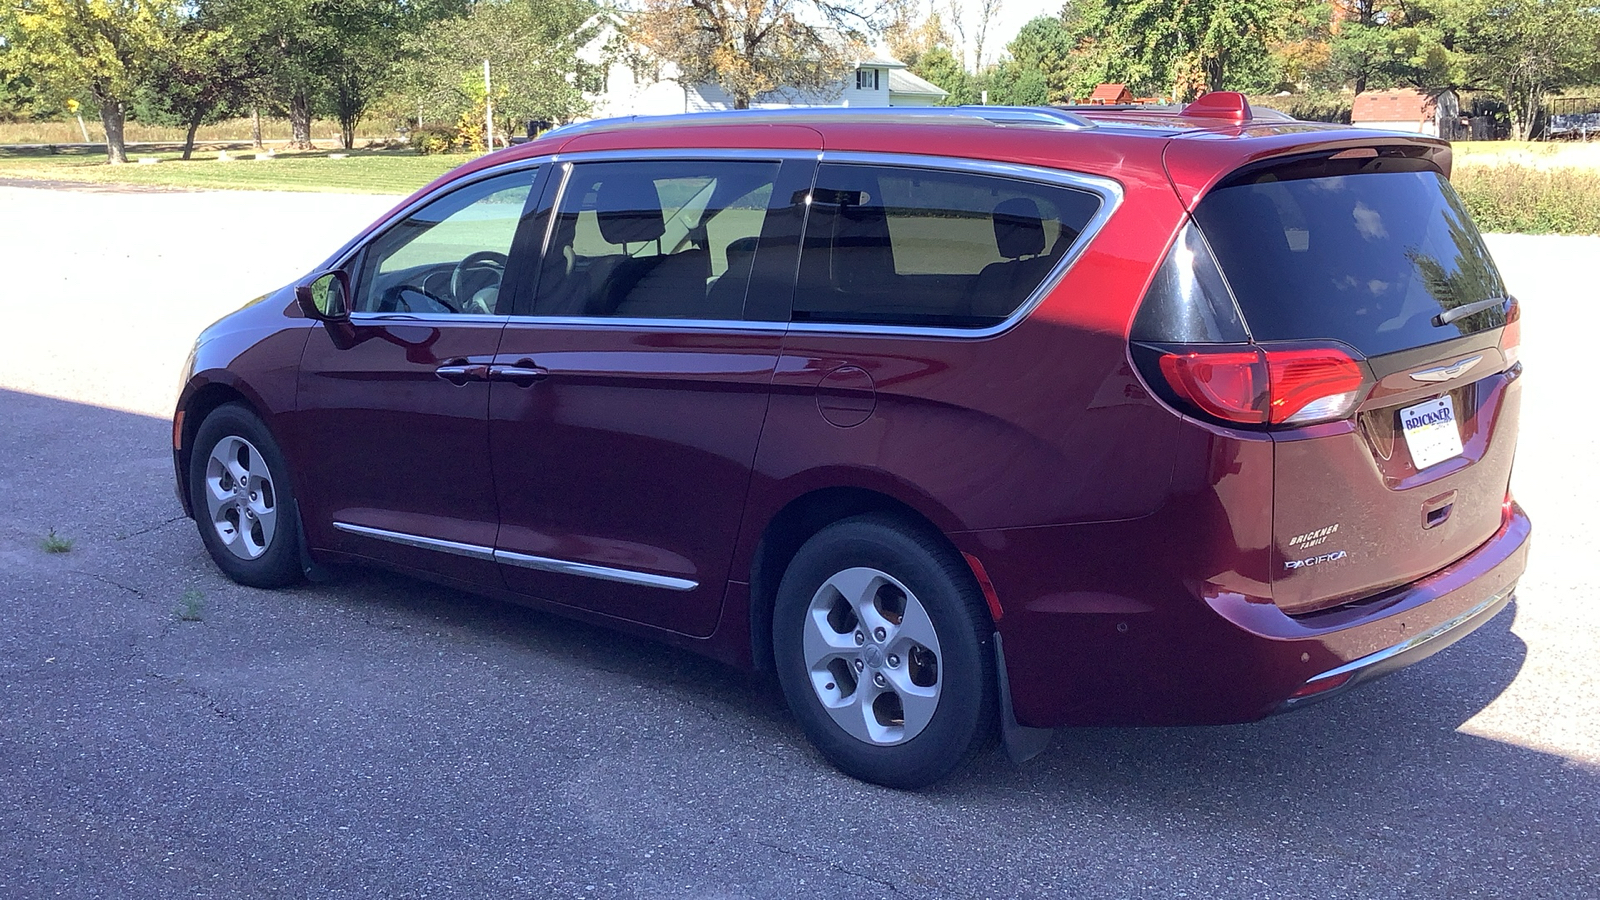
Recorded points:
(523, 373)
(459, 372)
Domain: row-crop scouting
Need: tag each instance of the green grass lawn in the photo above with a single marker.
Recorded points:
(363, 172)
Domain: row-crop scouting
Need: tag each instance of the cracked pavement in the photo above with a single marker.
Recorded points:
(376, 736)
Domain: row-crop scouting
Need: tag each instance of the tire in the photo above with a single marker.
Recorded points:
(904, 706)
(242, 500)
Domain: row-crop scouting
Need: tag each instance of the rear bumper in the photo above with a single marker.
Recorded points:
(1154, 652)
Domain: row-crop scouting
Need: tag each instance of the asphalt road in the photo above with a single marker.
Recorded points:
(379, 737)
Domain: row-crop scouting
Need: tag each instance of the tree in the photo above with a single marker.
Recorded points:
(202, 76)
(532, 47)
(1524, 50)
(940, 67)
(1039, 65)
(291, 43)
(104, 48)
(752, 47)
(1181, 47)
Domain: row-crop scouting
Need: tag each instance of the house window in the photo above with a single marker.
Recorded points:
(866, 79)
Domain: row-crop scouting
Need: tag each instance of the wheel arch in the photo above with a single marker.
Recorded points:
(199, 402)
(794, 524)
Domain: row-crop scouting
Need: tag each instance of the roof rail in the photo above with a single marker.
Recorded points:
(993, 115)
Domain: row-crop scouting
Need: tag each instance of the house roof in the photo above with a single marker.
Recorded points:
(1403, 105)
(1110, 92)
(904, 81)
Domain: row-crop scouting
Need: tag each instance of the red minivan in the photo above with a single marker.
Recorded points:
(969, 423)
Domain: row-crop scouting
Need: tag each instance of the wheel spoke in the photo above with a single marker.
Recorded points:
(917, 702)
(915, 630)
(821, 643)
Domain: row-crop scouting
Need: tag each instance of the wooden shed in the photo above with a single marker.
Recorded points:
(1437, 115)
(1111, 95)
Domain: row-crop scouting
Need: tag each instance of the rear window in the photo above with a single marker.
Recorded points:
(899, 246)
(1369, 259)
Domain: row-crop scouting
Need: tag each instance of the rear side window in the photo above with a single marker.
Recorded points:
(655, 240)
(1370, 259)
(897, 246)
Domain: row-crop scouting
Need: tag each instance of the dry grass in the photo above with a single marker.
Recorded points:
(1524, 199)
(1530, 154)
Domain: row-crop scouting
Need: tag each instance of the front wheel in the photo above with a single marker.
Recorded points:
(243, 504)
(881, 642)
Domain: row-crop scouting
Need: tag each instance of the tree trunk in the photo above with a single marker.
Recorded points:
(255, 127)
(300, 122)
(113, 116)
(188, 139)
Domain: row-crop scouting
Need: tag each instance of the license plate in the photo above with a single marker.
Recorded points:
(1432, 434)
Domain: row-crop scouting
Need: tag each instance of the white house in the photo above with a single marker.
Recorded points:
(650, 87)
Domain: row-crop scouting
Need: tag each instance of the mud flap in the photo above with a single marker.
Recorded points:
(314, 572)
(1022, 742)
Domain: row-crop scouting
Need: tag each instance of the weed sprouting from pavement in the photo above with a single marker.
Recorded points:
(190, 605)
(55, 543)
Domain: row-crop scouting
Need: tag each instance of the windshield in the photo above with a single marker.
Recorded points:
(1369, 259)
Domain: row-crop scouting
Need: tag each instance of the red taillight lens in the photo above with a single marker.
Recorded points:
(1268, 386)
(1511, 337)
(1313, 385)
(1229, 385)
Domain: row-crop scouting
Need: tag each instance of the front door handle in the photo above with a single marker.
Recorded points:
(523, 373)
(459, 372)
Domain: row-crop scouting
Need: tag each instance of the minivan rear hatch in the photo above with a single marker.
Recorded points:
(1363, 262)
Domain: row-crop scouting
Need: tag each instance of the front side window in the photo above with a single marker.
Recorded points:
(896, 246)
(656, 240)
(448, 257)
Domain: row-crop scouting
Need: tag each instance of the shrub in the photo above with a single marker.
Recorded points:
(431, 139)
(1311, 107)
(1513, 198)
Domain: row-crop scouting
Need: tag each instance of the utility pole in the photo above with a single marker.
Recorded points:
(488, 110)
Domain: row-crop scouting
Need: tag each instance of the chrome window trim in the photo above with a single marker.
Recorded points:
(586, 570)
(455, 548)
(367, 317)
(1108, 190)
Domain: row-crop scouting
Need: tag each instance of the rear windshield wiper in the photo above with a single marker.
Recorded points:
(1461, 312)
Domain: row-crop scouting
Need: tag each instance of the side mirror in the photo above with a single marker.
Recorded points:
(325, 297)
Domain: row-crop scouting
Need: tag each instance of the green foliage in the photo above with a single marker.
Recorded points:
(203, 75)
(1524, 50)
(55, 543)
(1175, 47)
(362, 172)
(191, 605)
(1038, 65)
(431, 139)
(940, 67)
(532, 47)
(103, 49)
(1513, 198)
(1314, 106)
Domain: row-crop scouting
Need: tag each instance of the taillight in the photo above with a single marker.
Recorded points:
(1511, 336)
(1265, 385)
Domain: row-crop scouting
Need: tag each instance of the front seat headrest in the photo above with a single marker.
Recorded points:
(628, 210)
(1018, 231)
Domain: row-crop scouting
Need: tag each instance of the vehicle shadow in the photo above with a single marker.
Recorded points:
(1375, 790)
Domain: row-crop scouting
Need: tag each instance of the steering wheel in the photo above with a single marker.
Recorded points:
(394, 300)
(481, 261)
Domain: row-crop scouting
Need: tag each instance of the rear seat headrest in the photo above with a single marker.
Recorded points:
(628, 210)
(1018, 231)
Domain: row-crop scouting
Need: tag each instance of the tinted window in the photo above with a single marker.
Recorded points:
(449, 256)
(669, 240)
(1368, 259)
(922, 247)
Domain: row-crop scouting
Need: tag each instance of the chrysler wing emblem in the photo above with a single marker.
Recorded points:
(1445, 373)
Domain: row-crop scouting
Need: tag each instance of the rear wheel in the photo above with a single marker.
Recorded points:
(881, 642)
(243, 504)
